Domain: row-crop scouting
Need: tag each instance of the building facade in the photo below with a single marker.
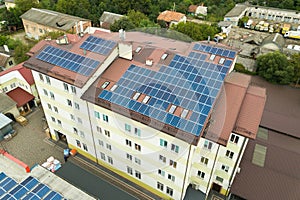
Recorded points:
(110, 98)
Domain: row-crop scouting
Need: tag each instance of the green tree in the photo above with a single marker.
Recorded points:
(295, 62)
(25, 5)
(124, 23)
(80, 8)
(275, 68)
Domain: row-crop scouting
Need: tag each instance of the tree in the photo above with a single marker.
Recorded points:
(124, 23)
(80, 8)
(25, 5)
(275, 68)
(295, 62)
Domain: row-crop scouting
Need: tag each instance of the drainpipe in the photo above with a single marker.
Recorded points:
(89, 117)
(185, 174)
(211, 172)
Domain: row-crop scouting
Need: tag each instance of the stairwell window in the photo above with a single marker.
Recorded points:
(200, 174)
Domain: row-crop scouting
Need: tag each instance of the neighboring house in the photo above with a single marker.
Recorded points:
(37, 22)
(196, 10)
(9, 4)
(6, 61)
(274, 42)
(8, 107)
(262, 13)
(5, 126)
(17, 82)
(151, 109)
(270, 167)
(108, 18)
(171, 17)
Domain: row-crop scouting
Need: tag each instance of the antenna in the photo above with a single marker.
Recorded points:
(174, 7)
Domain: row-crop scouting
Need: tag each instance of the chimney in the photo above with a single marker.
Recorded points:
(149, 62)
(122, 34)
(208, 39)
(81, 28)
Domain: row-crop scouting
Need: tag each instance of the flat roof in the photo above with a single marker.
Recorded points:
(237, 10)
(4, 120)
(6, 102)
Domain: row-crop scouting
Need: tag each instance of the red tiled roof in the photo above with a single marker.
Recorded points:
(26, 73)
(169, 16)
(192, 8)
(20, 96)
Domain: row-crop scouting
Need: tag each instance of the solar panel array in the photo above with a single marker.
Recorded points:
(29, 189)
(68, 60)
(215, 50)
(98, 45)
(188, 82)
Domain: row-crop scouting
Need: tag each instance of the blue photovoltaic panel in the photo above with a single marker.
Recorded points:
(215, 50)
(188, 82)
(67, 60)
(98, 45)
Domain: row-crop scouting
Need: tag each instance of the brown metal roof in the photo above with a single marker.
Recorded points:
(279, 178)
(282, 109)
(192, 8)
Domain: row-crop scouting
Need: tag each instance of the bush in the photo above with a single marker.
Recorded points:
(240, 68)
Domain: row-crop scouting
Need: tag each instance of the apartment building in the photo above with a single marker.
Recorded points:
(262, 13)
(143, 106)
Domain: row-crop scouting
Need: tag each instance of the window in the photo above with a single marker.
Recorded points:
(201, 174)
(76, 105)
(105, 118)
(73, 89)
(161, 172)
(184, 113)
(102, 156)
(59, 122)
(49, 106)
(72, 117)
(175, 148)
(225, 168)
(41, 77)
(107, 133)
(172, 109)
(127, 127)
(128, 142)
(229, 154)
(138, 174)
(146, 99)
(108, 146)
(137, 132)
(13, 85)
(41, 31)
(48, 80)
(163, 143)
(137, 147)
(55, 109)
(212, 57)
(105, 84)
(97, 114)
(162, 158)
(53, 119)
(100, 142)
(52, 95)
(164, 56)
(113, 88)
(170, 191)
(136, 96)
(75, 130)
(5, 89)
(110, 160)
(69, 102)
(207, 145)
(160, 186)
(218, 178)
(173, 163)
(79, 120)
(204, 160)
(138, 49)
(10, 63)
(45, 92)
(137, 161)
(66, 87)
(82, 134)
(128, 156)
(234, 138)
(171, 177)
(99, 129)
(129, 170)
(221, 61)
(78, 143)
